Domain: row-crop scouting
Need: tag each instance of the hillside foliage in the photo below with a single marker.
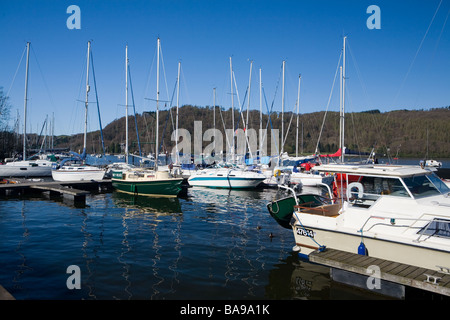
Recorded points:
(405, 133)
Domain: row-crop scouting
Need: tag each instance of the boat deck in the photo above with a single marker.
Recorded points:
(398, 273)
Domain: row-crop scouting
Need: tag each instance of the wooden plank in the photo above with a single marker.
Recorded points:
(395, 272)
(61, 189)
(5, 295)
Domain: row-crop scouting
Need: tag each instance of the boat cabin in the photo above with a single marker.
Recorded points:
(362, 185)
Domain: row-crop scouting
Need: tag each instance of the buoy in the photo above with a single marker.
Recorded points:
(362, 249)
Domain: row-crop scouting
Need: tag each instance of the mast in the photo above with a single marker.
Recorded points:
(178, 105)
(157, 106)
(342, 124)
(232, 108)
(248, 107)
(282, 114)
(25, 104)
(298, 109)
(126, 104)
(214, 116)
(260, 112)
(86, 102)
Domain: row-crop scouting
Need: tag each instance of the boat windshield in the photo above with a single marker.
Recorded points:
(438, 183)
(425, 185)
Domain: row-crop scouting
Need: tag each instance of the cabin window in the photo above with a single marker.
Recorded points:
(438, 183)
(437, 228)
(377, 186)
(421, 186)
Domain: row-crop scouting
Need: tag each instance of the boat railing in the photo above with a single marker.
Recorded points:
(318, 185)
(423, 230)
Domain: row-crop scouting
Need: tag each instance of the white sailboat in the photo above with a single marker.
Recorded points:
(26, 168)
(226, 175)
(78, 170)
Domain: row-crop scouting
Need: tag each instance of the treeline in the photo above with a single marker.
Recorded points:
(403, 133)
(406, 133)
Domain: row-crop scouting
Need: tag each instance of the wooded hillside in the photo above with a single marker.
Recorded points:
(402, 132)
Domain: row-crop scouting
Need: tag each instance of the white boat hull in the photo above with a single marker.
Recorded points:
(81, 173)
(32, 168)
(310, 179)
(407, 253)
(226, 178)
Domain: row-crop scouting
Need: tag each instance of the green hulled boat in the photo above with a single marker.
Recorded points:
(282, 209)
(147, 182)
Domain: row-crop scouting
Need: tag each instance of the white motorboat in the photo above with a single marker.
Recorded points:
(310, 179)
(433, 163)
(226, 177)
(396, 213)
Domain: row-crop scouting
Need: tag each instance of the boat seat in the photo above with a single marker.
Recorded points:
(329, 210)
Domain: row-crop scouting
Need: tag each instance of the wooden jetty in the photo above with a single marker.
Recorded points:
(395, 276)
(5, 295)
(74, 191)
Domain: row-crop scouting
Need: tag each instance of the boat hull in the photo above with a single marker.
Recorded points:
(78, 175)
(282, 210)
(159, 187)
(229, 179)
(26, 169)
(312, 180)
(309, 239)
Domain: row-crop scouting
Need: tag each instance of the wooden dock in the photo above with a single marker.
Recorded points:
(390, 272)
(74, 191)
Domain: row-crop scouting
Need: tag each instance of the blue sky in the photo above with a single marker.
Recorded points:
(403, 65)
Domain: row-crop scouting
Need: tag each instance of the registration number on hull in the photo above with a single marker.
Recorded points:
(305, 232)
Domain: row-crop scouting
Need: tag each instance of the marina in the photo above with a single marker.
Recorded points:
(297, 154)
(208, 244)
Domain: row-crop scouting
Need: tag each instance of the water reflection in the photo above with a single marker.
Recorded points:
(151, 215)
(23, 267)
(142, 204)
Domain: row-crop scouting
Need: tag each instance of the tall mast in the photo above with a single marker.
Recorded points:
(282, 114)
(342, 140)
(126, 104)
(86, 102)
(214, 116)
(157, 106)
(248, 107)
(25, 104)
(178, 105)
(298, 110)
(232, 108)
(260, 112)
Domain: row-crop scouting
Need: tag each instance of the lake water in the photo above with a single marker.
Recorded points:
(210, 245)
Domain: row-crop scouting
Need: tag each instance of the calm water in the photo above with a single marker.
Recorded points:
(212, 244)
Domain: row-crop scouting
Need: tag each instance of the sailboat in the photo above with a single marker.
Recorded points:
(24, 167)
(143, 181)
(228, 175)
(77, 169)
